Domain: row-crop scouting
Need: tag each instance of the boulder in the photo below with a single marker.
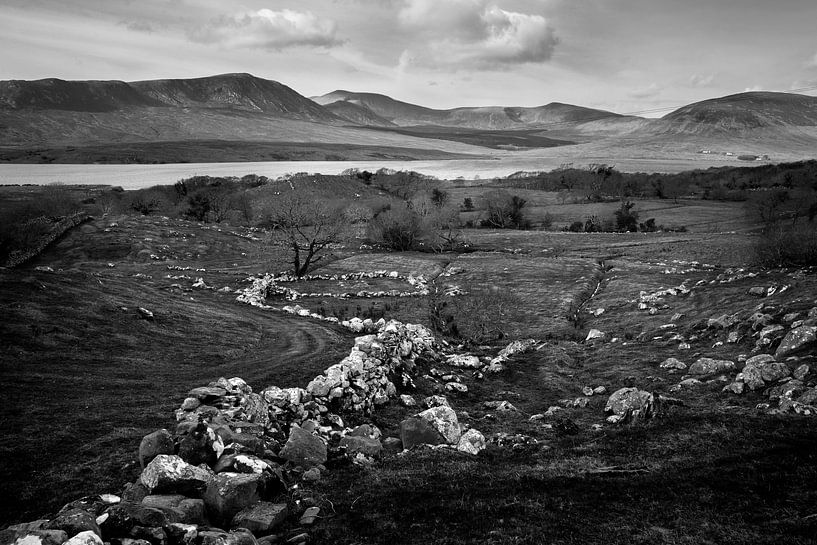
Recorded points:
(171, 474)
(419, 431)
(74, 521)
(123, 517)
(177, 508)
(630, 404)
(595, 335)
(261, 518)
(471, 442)
(367, 446)
(673, 363)
(182, 534)
(444, 420)
(153, 444)
(13, 536)
(304, 449)
(201, 445)
(710, 366)
(87, 537)
(229, 493)
(796, 341)
(774, 371)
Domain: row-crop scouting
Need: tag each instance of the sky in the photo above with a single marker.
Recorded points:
(628, 56)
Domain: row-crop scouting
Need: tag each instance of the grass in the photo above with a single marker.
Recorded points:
(84, 379)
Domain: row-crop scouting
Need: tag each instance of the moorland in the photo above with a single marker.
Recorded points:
(132, 302)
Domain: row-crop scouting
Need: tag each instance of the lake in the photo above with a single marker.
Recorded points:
(140, 176)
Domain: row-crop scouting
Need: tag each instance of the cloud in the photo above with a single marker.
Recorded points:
(700, 80)
(268, 29)
(645, 92)
(473, 34)
(812, 62)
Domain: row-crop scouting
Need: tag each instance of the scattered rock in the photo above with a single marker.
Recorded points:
(229, 493)
(673, 363)
(309, 516)
(84, 538)
(171, 474)
(153, 444)
(595, 335)
(709, 366)
(419, 431)
(444, 419)
(364, 445)
(797, 340)
(630, 404)
(471, 442)
(304, 449)
(261, 518)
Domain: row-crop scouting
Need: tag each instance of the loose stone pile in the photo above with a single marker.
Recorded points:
(229, 473)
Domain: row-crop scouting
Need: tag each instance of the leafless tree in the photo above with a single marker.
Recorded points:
(308, 227)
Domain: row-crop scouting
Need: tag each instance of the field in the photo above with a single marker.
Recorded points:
(86, 376)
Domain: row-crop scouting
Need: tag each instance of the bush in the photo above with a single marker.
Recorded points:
(626, 217)
(400, 229)
(479, 317)
(790, 245)
(505, 211)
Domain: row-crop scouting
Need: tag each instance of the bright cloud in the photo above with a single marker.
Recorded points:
(472, 34)
(268, 29)
(649, 91)
(700, 80)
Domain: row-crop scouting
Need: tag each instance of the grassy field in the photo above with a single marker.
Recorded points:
(85, 378)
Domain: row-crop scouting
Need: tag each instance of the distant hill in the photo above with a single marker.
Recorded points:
(744, 111)
(77, 96)
(357, 114)
(489, 117)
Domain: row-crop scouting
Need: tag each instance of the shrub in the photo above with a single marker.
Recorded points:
(479, 317)
(626, 217)
(789, 245)
(505, 211)
(400, 229)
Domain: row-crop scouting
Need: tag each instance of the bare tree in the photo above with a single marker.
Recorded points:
(308, 227)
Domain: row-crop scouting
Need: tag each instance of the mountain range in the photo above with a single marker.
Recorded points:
(53, 118)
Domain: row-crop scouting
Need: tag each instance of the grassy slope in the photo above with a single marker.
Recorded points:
(712, 470)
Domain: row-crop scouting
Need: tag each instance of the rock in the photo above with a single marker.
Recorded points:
(801, 371)
(392, 445)
(456, 387)
(87, 537)
(15, 536)
(796, 341)
(595, 335)
(229, 493)
(709, 366)
(300, 538)
(772, 331)
(724, 321)
(153, 444)
(312, 475)
(74, 521)
(145, 314)
(177, 508)
(809, 397)
(587, 390)
(752, 377)
(143, 534)
(304, 449)
(436, 401)
(182, 534)
(759, 359)
(261, 518)
(774, 371)
(364, 445)
(201, 446)
(631, 403)
(171, 474)
(471, 442)
(673, 363)
(757, 291)
(237, 537)
(309, 516)
(243, 463)
(735, 388)
(444, 419)
(407, 401)
(464, 360)
(123, 517)
(419, 431)
(599, 390)
(207, 394)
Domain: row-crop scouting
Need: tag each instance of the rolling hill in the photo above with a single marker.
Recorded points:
(45, 120)
(744, 112)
